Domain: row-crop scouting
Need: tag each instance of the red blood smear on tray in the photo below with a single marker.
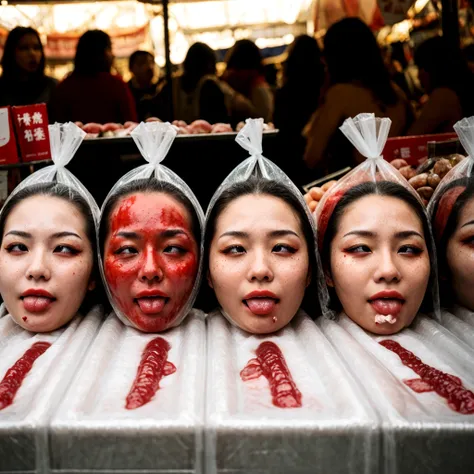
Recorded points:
(271, 363)
(16, 374)
(448, 386)
(152, 368)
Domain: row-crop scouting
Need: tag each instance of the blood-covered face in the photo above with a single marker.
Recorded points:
(380, 265)
(150, 259)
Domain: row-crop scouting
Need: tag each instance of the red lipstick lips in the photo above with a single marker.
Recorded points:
(387, 303)
(261, 302)
(151, 302)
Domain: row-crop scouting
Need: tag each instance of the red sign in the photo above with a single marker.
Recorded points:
(31, 123)
(8, 147)
(414, 150)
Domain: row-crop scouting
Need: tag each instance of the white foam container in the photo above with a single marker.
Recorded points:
(93, 432)
(421, 434)
(23, 424)
(335, 431)
(460, 328)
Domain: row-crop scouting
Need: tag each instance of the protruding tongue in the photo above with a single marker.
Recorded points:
(387, 306)
(151, 305)
(261, 306)
(36, 304)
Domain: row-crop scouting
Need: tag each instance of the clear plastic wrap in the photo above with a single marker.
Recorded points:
(92, 431)
(250, 138)
(464, 314)
(422, 433)
(154, 140)
(334, 430)
(24, 423)
(369, 135)
(65, 139)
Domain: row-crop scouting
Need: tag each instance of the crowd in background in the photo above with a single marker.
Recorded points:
(317, 91)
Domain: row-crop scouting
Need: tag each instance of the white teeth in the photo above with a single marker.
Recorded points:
(382, 318)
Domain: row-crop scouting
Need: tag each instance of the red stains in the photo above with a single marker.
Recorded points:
(445, 206)
(17, 373)
(271, 363)
(326, 214)
(24, 318)
(448, 386)
(153, 367)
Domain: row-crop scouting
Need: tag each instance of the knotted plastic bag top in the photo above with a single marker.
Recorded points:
(250, 138)
(368, 134)
(154, 141)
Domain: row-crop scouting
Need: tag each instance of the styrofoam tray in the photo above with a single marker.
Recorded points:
(23, 424)
(92, 430)
(460, 328)
(334, 431)
(422, 435)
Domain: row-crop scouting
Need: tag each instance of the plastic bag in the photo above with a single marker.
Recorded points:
(154, 140)
(65, 139)
(369, 135)
(250, 138)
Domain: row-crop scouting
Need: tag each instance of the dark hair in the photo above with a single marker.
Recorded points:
(261, 186)
(244, 55)
(303, 63)
(134, 57)
(353, 55)
(200, 60)
(9, 64)
(149, 185)
(381, 188)
(446, 293)
(447, 67)
(90, 56)
(71, 196)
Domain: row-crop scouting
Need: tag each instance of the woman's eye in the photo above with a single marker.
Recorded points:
(16, 248)
(359, 249)
(410, 249)
(126, 251)
(174, 250)
(234, 249)
(66, 249)
(283, 248)
(469, 240)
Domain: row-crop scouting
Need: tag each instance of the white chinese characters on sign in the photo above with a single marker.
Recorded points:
(37, 134)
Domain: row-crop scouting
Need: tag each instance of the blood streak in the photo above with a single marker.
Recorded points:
(153, 367)
(448, 386)
(17, 373)
(271, 363)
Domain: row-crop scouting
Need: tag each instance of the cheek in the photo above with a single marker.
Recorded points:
(461, 262)
(225, 274)
(350, 275)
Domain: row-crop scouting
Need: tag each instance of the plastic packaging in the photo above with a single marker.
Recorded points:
(93, 431)
(333, 430)
(422, 431)
(250, 138)
(369, 135)
(23, 424)
(154, 140)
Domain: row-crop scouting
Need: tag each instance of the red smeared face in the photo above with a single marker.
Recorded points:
(150, 259)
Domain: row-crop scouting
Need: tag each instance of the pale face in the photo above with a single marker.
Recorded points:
(46, 260)
(28, 53)
(258, 263)
(460, 257)
(150, 259)
(380, 265)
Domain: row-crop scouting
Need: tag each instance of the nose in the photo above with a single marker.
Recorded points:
(387, 269)
(151, 269)
(260, 267)
(38, 269)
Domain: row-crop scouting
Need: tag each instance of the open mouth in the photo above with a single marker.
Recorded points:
(261, 305)
(151, 304)
(387, 309)
(36, 303)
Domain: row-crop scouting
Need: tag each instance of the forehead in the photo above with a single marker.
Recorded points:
(256, 212)
(381, 214)
(156, 210)
(29, 38)
(45, 212)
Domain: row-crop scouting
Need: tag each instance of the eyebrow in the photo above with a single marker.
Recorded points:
(399, 235)
(19, 233)
(166, 233)
(57, 235)
(467, 223)
(273, 233)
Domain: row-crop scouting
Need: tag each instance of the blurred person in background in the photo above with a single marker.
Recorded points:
(245, 74)
(296, 101)
(358, 82)
(143, 84)
(445, 76)
(23, 80)
(91, 93)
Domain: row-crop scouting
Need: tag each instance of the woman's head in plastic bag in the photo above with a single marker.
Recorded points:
(150, 239)
(260, 251)
(375, 250)
(453, 226)
(47, 256)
